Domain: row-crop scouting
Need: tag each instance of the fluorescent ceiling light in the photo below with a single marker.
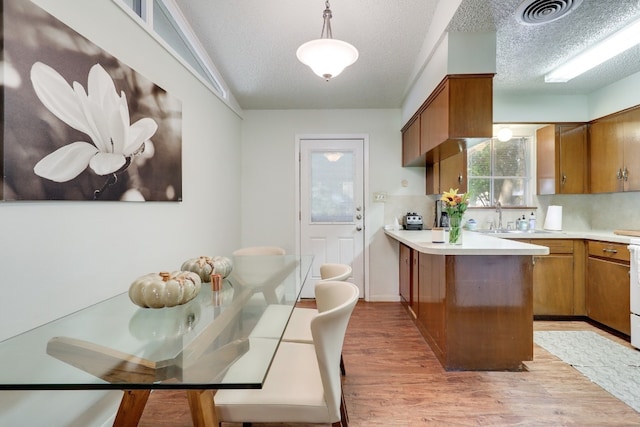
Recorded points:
(613, 45)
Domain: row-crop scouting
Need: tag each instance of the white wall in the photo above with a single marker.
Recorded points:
(58, 257)
(268, 187)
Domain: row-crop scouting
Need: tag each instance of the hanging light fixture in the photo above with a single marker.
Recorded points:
(326, 56)
(505, 134)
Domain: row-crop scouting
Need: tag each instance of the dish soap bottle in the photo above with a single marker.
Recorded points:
(532, 221)
(522, 224)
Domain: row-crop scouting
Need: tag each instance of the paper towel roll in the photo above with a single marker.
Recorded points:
(553, 220)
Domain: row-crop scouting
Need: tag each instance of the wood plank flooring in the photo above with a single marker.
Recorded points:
(394, 379)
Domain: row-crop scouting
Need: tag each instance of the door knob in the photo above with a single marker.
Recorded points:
(358, 216)
(358, 228)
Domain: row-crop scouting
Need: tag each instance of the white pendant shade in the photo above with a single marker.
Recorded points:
(327, 57)
(505, 134)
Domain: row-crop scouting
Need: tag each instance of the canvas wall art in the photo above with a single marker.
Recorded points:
(78, 124)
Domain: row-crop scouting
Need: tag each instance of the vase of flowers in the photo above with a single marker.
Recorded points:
(455, 205)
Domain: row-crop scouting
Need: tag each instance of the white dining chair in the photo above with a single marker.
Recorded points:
(259, 250)
(255, 267)
(299, 326)
(303, 384)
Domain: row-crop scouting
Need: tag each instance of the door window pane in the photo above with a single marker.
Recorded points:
(332, 183)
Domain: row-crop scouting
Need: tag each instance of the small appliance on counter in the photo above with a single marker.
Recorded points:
(412, 221)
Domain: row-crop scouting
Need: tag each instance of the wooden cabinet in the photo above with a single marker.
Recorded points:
(459, 110)
(559, 278)
(453, 173)
(553, 279)
(431, 296)
(409, 278)
(415, 283)
(434, 120)
(562, 153)
(411, 145)
(447, 174)
(631, 166)
(614, 152)
(476, 311)
(608, 285)
(405, 273)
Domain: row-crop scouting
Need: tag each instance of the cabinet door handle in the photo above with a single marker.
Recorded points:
(611, 251)
(619, 175)
(625, 174)
(460, 179)
(564, 179)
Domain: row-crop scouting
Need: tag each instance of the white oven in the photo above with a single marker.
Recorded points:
(634, 282)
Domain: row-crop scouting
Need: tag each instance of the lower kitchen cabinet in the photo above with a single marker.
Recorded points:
(475, 311)
(608, 285)
(415, 282)
(431, 302)
(405, 273)
(558, 278)
(409, 278)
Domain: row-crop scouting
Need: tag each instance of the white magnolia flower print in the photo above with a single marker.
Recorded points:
(100, 113)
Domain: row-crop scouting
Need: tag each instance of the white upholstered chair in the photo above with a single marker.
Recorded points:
(299, 326)
(260, 268)
(259, 250)
(303, 384)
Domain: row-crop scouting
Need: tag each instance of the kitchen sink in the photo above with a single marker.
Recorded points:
(505, 231)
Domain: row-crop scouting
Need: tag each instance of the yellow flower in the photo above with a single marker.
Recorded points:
(454, 203)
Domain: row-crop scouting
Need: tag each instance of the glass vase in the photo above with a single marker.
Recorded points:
(455, 229)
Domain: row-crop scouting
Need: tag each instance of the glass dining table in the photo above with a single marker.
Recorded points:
(116, 344)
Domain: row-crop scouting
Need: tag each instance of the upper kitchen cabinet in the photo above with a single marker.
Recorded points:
(457, 113)
(614, 152)
(411, 144)
(562, 152)
(453, 173)
(447, 174)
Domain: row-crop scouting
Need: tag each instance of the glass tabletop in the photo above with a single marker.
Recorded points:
(220, 339)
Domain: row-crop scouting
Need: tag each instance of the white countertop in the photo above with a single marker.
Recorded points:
(475, 243)
(472, 244)
(601, 235)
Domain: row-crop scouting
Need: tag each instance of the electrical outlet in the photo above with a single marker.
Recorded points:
(380, 197)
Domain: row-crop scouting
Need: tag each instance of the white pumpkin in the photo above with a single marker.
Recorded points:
(222, 266)
(205, 266)
(164, 289)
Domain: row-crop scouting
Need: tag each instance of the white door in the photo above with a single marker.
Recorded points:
(332, 206)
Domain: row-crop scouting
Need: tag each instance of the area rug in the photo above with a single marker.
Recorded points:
(612, 366)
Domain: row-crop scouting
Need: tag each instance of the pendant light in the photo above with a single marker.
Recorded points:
(326, 56)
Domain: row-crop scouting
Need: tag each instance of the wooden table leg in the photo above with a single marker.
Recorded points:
(131, 408)
(203, 410)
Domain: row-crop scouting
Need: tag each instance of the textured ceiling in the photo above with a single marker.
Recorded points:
(253, 45)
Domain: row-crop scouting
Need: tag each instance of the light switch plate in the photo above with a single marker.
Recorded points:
(380, 197)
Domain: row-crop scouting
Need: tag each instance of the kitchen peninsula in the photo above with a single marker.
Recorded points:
(473, 302)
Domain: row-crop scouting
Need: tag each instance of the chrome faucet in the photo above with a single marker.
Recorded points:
(499, 210)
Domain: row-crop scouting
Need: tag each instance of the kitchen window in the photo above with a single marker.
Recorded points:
(500, 170)
(164, 21)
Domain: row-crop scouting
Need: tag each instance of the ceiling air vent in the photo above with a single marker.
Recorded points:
(534, 12)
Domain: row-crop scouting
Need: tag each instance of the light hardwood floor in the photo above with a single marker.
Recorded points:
(394, 379)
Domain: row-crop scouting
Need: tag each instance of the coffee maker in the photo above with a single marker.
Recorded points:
(441, 218)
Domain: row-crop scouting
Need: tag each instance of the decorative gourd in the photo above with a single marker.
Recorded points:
(205, 266)
(164, 289)
(222, 266)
